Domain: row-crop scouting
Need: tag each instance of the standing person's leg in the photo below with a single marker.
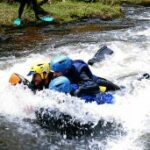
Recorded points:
(21, 8)
(35, 8)
(39, 11)
(42, 2)
(18, 21)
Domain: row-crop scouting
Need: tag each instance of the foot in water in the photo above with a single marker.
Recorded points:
(17, 22)
(47, 19)
(100, 55)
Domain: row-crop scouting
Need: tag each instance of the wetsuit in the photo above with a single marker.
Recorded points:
(88, 96)
(106, 83)
(98, 97)
(88, 83)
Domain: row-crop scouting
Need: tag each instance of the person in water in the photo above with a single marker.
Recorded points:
(36, 8)
(41, 76)
(59, 84)
(78, 72)
(62, 84)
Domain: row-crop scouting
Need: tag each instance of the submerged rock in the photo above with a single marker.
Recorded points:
(4, 38)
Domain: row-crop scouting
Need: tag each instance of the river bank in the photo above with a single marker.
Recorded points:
(63, 12)
(13, 41)
(69, 11)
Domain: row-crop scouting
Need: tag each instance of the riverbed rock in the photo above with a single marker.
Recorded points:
(4, 38)
(145, 3)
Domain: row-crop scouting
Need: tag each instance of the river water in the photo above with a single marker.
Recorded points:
(130, 115)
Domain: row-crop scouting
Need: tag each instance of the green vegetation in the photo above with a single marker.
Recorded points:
(63, 11)
(8, 12)
(69, 10)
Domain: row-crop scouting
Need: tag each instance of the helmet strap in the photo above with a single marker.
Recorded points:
(45, 75)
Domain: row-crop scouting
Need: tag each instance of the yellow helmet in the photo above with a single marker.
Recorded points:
(40, 68)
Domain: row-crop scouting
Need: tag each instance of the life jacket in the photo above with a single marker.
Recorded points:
(80, 65)
(75, 72)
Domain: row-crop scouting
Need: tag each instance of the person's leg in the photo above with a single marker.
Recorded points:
(39, 11)
(106, 83)
(42, 2)
(35, 8)
(109, 85)
(21, 8)
(17, 22)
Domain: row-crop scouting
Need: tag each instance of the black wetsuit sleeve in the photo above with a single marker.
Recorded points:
(35, 88)
(32, 87)
(87, 85)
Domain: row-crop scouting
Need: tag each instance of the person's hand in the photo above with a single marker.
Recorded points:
(77, 92)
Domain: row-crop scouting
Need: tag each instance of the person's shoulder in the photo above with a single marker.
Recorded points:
(79, 61)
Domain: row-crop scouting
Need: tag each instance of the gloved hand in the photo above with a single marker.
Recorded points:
(144, 76)
(77, 92)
